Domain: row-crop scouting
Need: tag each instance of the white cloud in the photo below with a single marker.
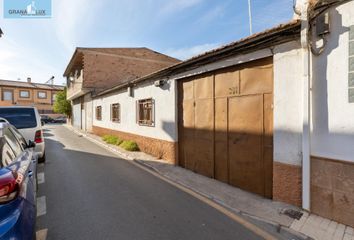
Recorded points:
(18, 62)
(71, 18)
(212, 14)
(178, 5)
(188, 52)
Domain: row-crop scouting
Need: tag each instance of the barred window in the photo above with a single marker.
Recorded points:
(115, 112)
(98, 113)
(146, 112)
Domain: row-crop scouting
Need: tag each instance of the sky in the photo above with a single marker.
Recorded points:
(41, 48)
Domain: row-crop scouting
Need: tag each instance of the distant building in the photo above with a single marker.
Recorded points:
(94, 70)
(17, 93)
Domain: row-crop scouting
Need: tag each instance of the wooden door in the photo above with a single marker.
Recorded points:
(245, 143)
(226, 126)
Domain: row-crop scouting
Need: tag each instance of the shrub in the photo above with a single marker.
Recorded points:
(119, 141)
(110, 139)
(105, 137)
(129, 146)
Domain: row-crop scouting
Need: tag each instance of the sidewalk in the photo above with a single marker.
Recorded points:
(280, 215)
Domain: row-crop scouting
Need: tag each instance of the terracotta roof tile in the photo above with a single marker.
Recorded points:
(107, 67)
(10, 83)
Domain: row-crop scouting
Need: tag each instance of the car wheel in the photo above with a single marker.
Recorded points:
(42, 159)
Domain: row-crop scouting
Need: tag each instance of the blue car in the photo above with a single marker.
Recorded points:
(18, 185)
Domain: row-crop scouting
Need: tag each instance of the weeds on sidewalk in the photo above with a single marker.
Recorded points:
(126, 144)
(129, 146)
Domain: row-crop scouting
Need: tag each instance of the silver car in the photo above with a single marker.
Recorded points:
(28, 121)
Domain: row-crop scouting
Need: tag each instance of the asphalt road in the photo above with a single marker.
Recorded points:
(92, 194)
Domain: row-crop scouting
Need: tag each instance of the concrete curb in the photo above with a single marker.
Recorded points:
(144, 164)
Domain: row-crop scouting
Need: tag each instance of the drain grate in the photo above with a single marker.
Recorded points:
(293, 213)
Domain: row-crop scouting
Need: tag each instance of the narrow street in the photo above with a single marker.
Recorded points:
(89, 193)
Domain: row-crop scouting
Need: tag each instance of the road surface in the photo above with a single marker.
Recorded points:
(89, 193)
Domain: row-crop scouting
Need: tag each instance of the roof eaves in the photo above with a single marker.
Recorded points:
(233, 47)
(67, 70)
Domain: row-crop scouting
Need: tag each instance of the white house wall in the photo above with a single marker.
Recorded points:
(165, 116)
(287, 103)
(332, 114)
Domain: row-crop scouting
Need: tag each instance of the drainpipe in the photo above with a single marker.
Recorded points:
(306, 114)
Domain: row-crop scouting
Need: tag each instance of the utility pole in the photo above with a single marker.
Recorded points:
(250, 16)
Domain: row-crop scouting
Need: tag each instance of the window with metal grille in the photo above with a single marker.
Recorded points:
(115, 112)
(146, 112)
(98, 113)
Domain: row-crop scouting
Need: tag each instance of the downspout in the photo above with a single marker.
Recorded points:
(306, 114)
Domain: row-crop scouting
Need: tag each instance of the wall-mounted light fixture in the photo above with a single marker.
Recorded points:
(159, 83)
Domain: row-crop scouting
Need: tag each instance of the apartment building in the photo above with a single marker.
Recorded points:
(18, 93)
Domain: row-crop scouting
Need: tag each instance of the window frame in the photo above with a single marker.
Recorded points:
(117, 119)
(26, 91)
(7, 90)
(140, 120)
(98, 116)
(39, 97)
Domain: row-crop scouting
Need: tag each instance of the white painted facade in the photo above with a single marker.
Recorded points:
(287, 107)
(332, 114)
(165, 111)
(287, 103)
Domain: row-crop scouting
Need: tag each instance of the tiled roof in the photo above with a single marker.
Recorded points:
(281, 33)
(21, 84)
(107, 67)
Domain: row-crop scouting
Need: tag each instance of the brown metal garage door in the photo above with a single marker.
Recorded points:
(226, 125)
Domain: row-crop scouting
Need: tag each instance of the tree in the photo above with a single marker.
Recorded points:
(61, 104)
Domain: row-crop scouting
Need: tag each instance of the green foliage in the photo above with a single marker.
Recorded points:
(129, 146)
(61, 104)
(110, 139)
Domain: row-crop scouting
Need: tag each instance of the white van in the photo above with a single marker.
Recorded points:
(28, 121)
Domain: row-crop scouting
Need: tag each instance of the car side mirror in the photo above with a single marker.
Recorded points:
(31, 144)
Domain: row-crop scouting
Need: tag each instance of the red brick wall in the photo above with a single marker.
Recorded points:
(156, 147)
(287, 183)
(332, 189)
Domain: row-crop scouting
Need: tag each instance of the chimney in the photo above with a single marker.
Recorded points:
(29, 80)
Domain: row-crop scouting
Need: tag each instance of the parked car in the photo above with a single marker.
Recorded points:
(59, 120)
(18, 185)
(28, 121)
(46, 119)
